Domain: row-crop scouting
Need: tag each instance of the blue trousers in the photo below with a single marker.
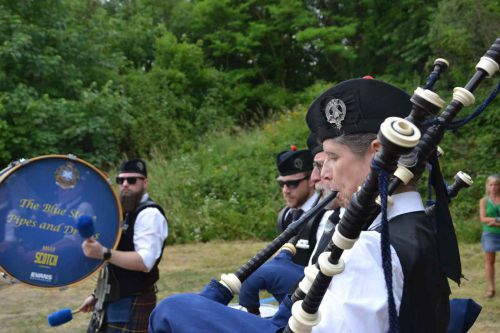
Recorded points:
(278, 276)
(208, 312)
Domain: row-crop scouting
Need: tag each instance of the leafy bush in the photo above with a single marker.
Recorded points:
(177, 101)
(186, 81)
(226, 187)
(91, 128)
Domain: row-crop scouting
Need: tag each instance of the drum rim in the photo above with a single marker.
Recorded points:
(10, 169)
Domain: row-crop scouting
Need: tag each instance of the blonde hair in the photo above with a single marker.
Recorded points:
(495, 178)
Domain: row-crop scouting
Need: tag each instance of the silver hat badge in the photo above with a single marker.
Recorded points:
(298, 163)
(335, 112)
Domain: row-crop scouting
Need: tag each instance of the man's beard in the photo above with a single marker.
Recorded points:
(319, 188)
(130, 201)
(335, 203)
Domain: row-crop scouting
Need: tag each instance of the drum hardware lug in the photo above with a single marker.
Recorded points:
(7, 278)
(21, 161)
(12, 164)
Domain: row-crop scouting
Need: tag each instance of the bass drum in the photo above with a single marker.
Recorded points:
(41, 200)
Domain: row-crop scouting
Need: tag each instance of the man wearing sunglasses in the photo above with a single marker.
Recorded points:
(297, 180)
(133, 265)
(294, 169)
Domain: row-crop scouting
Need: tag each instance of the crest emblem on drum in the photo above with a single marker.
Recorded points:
(335, 112)
(67, 175)
(298, 163)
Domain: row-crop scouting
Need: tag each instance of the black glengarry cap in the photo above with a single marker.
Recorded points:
(136, 166)
(294, 161)
(356, 106)
(313, 144)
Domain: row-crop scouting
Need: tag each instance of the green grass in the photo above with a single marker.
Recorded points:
(187, 268)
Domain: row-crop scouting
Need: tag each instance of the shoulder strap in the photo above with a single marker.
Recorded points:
(281, 219)
(130, 218)
(146, 204)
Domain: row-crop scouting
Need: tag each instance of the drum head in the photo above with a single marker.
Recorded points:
(40, 202)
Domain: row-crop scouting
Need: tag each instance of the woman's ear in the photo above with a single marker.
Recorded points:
(375, 146)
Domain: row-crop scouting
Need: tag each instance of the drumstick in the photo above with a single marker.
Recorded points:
(61, 316)
(85, 226)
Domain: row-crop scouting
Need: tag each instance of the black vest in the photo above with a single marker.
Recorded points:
(425, 301)
(305, 240)
(125, 282)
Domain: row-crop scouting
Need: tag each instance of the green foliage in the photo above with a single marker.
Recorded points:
(270, 48)
(91, 128)
(226, 187)
(56, 90)
(462, 40)
(462, 28)
(104, 79)
(178, 100)
(56, 47)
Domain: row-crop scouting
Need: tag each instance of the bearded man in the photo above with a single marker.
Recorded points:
(133, 265)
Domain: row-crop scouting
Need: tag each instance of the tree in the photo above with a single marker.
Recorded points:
(56, 81)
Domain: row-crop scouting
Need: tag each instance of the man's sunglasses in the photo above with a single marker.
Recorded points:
(130, 180)
(291, 184)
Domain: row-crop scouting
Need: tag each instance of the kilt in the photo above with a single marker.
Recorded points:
(141, 308)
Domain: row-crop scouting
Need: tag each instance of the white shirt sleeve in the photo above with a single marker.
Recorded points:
(356, 300)
(150, 231)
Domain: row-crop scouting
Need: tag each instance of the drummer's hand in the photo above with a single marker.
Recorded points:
(88, 304)
(92, 248)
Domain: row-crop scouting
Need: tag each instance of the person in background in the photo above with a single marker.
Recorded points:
(280, 275)
(489, 215)
(294, 169)
(133, 265)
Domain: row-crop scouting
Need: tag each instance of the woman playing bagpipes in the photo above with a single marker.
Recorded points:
(346, 118)
(387, 264)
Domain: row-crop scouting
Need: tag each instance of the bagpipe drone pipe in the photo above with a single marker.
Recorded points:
(397, 136)
(230, 284)
(211, 304)
(461, 180)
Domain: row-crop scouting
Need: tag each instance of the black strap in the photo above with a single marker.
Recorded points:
(296, 214)
(293, 215)
(130, 217)
(449, 254)
(282, 222)
(305, 240)
(146, 204)
(332, 221)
